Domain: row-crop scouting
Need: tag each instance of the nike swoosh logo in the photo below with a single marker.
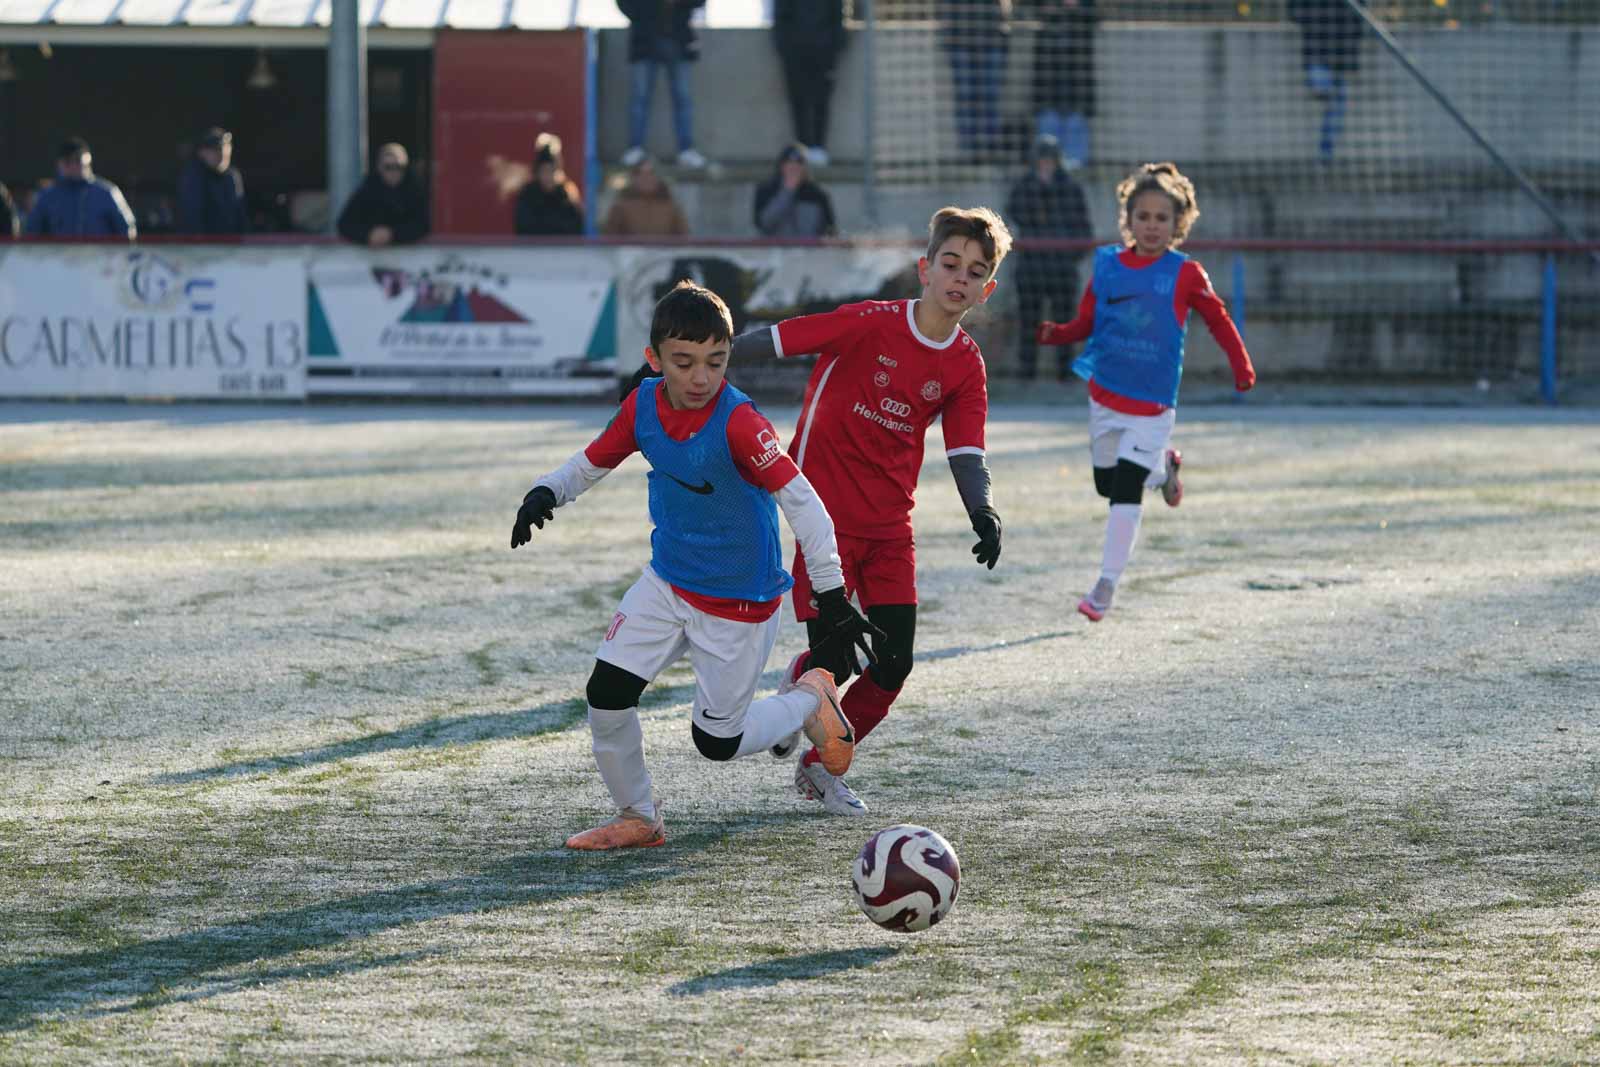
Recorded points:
(704, 489)
(1136, 448)
(705, 713)
(1120, 299)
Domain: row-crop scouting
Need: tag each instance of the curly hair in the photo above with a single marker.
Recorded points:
(1160, 178)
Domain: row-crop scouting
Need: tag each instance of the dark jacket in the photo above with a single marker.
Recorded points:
(73, 207)
(1063, 58)
(209, 202)
(548, 214)
(1330, 34)
(651, 21)
(809, 27)
(403, 208)
(1056, 209)
(803, 212)
(973, 23)
(10, 224)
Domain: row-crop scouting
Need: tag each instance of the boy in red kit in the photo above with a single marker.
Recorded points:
(1135, 313)
(885, 371)
(715, 580)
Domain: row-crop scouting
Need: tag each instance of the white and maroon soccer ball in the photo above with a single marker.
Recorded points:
(906, 878)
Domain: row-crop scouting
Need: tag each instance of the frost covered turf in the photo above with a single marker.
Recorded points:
(291, 738)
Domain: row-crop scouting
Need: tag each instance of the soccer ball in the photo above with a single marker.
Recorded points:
(906, 878)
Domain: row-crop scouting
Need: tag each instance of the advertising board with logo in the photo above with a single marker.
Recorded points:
(114, 321)
(761, 286)
(462, 321)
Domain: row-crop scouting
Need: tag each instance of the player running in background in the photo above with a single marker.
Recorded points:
(715, 580)
(885, 371)
(1134, 359)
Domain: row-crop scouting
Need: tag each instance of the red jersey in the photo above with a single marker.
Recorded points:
(1192, 291)
(877, 385)
(752, 442)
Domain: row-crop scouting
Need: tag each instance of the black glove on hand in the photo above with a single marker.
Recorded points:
(538, 508)
(842, 629)
(986, 524)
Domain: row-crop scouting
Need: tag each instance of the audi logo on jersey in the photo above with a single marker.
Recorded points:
(895, 407)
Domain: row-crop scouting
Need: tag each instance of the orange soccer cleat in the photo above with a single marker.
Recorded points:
(827, 728)
(625, 831)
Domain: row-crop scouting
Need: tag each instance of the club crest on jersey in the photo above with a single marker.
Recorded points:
(881, 378)
(930, 390)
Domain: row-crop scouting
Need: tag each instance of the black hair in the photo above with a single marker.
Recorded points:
(690, 312)
(72, 148)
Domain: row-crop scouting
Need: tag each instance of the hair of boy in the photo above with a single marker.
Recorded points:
(1160, 178)
(974, 223)
(690, 312)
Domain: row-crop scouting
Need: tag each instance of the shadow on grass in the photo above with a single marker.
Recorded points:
(493, 726)
(205, 962)
(786, 969)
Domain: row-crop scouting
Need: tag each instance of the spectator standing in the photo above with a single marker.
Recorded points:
(550, 205)
(1330, 49)
(1063, 75)
(78, 204)
(10, 222)
(661, 39)
(388, 207)
(790, 204)
(976, 34)
(1046, 202)
(211, 190)
(809, 37)
(645, 207)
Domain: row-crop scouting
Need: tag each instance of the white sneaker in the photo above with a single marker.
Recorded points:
(817, 156)
(692, 159)
(813, 782)
(633, 156)
(791, 744)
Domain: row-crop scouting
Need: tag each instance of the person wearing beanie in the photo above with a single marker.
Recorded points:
(549, 205)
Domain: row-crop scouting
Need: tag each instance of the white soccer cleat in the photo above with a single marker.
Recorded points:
(813, 782)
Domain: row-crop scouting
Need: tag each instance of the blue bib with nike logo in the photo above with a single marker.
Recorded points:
(715, 533)
(1136, 349)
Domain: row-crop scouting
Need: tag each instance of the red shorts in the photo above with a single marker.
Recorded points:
(877, 572)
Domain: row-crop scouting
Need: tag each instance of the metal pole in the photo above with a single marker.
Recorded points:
(347, 105)
(869, 178)
(1532, 191)
(1547, 334)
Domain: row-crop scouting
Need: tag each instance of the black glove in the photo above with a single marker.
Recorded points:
(538, 508)
(986, 524)
(840, 631)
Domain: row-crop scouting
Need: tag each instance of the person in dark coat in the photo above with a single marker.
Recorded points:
(660, 38)
(1063, 75)
(389, 206)
(790, 204)
(809, 36)
(211, 189)
(1046, 202)
(78, 204)
(1330, 49)
(550, 205)
(977, 36)
(10, 224)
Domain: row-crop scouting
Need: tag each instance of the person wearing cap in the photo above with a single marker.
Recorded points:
(79, 204)
(211, 190)
(790, 204)
(1046, 202)
(550, 205)
(389, 207)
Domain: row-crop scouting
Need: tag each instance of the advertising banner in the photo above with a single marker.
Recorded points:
(173, 321)
(462, 321)
(761, 286)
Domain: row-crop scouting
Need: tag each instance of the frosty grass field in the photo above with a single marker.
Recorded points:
(291, 738)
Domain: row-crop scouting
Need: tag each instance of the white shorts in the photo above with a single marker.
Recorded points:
(1140, 439)
(654, 626)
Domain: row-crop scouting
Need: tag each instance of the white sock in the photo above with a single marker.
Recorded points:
(619, 753)
(1122, 530)
(770, 719)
